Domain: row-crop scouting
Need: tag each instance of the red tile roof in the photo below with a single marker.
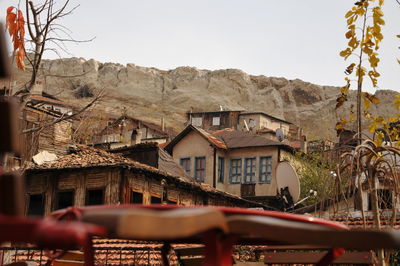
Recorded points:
(85, 156)
(239, 139)
(227, 139)
(45, 99)
(217, 142)
(357, 222)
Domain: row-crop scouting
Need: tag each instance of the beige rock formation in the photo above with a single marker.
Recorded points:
(150, 93)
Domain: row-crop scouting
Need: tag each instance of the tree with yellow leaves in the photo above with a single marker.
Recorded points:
(371, 161)
(364, 38)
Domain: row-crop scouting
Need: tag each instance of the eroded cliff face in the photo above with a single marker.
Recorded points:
(150, 93)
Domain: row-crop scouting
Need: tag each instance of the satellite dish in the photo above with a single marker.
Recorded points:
(287, 177)
(279, 134)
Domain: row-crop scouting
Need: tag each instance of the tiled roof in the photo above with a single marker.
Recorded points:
(45, 99)
(212, 138)
(166, 163)
(240, 139)
(84, 156)
(227, 139)
(265, 114)
(163, 145)
(155, 127)
(90, 157)
(357, 222)
(265, 130)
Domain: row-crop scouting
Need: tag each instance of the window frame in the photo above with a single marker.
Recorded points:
(159, 200)
(43, 195)
(196, 177)
(189, 171)
(238, 180)
(57, 203)
(266, 174)
(215, 119)
(253, 173)
(199, 122)
(221, 170)
(87, 195)
(131, 197)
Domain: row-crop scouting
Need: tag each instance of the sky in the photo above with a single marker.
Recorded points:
(286, 38)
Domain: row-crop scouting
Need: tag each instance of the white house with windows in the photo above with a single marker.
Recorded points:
(234, 161)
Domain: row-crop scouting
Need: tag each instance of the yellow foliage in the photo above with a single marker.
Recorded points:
(346, 53)
(349, 14)
(379, 137)
(373, 60)
(396, 101)
(372, 127)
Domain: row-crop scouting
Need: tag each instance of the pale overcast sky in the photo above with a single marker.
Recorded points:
(286, 38)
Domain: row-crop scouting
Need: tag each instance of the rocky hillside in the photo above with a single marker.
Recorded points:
(150, 93)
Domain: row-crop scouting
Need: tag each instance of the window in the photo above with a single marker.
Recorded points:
(252, 123)
(36, 205)
(384, 199)
(216, 121)
(197, 121)
(136, 197)
(155, 200)
(221, 169)
(265, 169)
(185, 163)
(65, 199)
(249, 170)
(94, 196)
(200, 169)
(235, 171)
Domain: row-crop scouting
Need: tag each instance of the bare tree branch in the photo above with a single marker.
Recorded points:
(64, 117)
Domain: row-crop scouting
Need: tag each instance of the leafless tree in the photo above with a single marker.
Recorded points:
(47, 34)
(43, 26)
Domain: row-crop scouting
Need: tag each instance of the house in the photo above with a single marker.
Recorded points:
(258, 123)
(230, 160)
(39, 99)
(151, 154)
(212, 121)
(54, 138)
(90, 176)
(126, 130)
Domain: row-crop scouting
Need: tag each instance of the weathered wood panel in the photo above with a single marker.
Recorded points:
(50, 194)
(67, 181)
(156, 188)
(96, 179)
(173, 194)
(36, 184)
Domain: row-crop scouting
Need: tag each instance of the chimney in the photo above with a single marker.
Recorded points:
(162, 124)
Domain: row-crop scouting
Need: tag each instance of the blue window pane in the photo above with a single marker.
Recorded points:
(200, 169)
(265, 174)
(236, 171)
